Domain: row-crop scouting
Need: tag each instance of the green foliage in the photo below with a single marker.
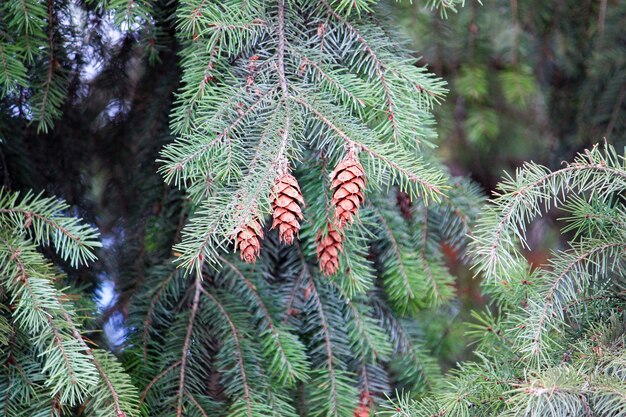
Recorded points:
(265, 83)
(38, 46)
(552, 345)
(274, 102)
(269, 82)
(49, 365)
(46, 222)
(446, 6)
(530, 80)
(286, 329)
(127, 14)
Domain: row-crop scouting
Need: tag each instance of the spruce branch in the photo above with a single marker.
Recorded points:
(154, 381)
(45, 219)
(12, 70)
(571, 275)
(38, 309)
(389, 102)
(247, 395)
(198, 406)
(428, 187)
(330, 390)
(154, 301)
(409, 288)
(287, 361)
(183, 361)
(547, 347)
(226, 150)
(520, 199)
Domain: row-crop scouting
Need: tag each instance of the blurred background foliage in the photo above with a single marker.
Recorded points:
(528, 79)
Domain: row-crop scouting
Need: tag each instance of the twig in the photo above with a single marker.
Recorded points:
(187, 342)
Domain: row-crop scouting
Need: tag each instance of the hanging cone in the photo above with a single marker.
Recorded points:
(404, 202)
(363, 409)
(328, 248)
(348, 183)
(248, 241)
(286, 207)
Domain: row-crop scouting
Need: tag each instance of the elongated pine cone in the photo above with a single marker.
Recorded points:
(286, 207)
(328, 248)
(248, 241)
(348, 183)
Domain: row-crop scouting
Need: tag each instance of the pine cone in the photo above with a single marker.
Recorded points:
(348, 183)
(404, 202)
(328, 248)
(286, 207)
(363, 409)
(248, 241)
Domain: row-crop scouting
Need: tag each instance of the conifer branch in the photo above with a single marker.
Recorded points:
(282, 79)
(396, 250)
(519, 201)
(45, 311)
(153, 381)
(198, 406)
(30, 214)
(187, 341)
(330, 79)
(148, 320)
(45, 220)
(286, 362)
(59, 344)
(195, 154)
(114, 395)
(51, 61)
(429, 273)
(380, 69)
(434, 190)
(549, 301)
(291, 298)
(240, 360)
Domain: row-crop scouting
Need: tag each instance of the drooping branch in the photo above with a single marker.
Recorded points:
(154, 380)
(263, 308)
(107, 381)
(187, 342)
(50, 222)
(398, 254)
(148, 320)
(240, 360)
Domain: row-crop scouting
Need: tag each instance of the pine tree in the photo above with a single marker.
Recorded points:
(552, 343)
(291, 263)
(265, 85)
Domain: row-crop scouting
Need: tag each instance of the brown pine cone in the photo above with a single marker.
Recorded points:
(248, 241)
(286, 207)
(363, 409)
(328, 248)
(348, 183)
(404, 202)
